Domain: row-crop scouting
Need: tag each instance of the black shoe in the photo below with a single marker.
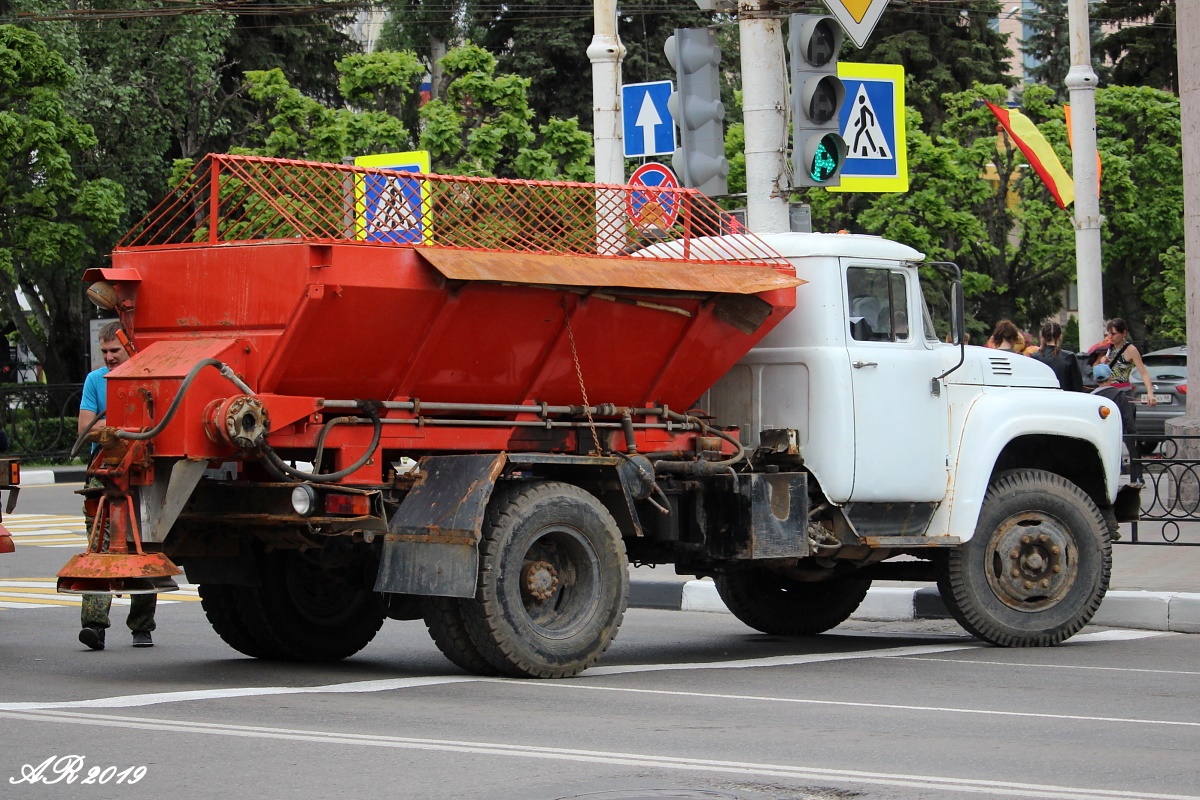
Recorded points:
(92, 637)
(142, 639)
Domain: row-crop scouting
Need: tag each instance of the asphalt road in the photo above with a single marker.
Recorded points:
(692, 703)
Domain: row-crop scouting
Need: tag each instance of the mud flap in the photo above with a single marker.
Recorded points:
(432, 543)
(1128, 505)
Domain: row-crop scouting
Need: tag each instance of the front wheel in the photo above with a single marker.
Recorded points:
(1037, 567)
(553, 582)
(776, 604)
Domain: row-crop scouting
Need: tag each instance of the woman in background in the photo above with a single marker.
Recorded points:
(1063, 362)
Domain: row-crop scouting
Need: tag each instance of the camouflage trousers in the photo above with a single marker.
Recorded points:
(95, 608)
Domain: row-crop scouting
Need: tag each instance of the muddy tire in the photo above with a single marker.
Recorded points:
(444, 619)
(778, 605)
(553, 583)
(1037, 567)
(304, 613)
(221, 606)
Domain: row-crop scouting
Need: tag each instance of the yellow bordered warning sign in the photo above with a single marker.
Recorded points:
(871, 122)
(857, 17)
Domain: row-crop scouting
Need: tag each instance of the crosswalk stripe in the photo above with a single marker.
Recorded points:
(47, 530)
(24, 593)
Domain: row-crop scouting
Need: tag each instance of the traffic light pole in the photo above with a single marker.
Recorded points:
(606, 53)
(1081, 82)
(764, 108)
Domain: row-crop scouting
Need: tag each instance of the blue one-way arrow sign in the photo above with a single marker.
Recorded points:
(646, 123)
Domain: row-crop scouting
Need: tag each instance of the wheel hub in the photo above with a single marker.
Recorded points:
(1032, 563)
(539, 580)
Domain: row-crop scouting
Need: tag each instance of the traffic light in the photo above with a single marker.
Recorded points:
(818, 149)
(697, 109)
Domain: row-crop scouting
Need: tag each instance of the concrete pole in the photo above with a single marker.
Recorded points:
(1081, 81)
(1187, 26)
(606, 53)
(764, 109)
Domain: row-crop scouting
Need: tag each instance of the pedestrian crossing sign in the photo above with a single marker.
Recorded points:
(872, 125)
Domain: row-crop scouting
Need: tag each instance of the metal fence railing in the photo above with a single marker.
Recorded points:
(41, 420)
(1171, 498)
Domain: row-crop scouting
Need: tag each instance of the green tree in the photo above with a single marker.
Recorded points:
(483, 127)
(944, 48)
(547, 44)
(1141, 43)
(429, 28)
(49, 216)
(974, 202)
(1139, 137)
(1050, 46)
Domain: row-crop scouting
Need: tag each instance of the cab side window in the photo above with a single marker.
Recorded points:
(878, 305)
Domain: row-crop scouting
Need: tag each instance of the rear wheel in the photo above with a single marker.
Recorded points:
(553, 584)
(444, 619)
(1037, 567)
(776, 604)
(221, 606)
(305, 612)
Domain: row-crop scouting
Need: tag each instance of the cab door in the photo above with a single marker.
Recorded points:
(901, 428)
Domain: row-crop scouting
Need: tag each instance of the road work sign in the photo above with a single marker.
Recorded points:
(391, 208)
(646, 124)
(872, 125)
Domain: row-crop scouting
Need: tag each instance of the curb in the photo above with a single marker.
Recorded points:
(46, 477)
(1155, 611)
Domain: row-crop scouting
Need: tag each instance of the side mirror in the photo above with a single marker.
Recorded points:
(958, 324)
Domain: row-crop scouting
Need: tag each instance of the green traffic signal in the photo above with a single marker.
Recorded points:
(827, 158)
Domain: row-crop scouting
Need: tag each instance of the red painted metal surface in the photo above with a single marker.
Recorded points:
(275, 279)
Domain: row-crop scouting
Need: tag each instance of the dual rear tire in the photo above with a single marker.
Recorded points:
(553, 587)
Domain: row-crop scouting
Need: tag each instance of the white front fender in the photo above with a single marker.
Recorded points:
(991, 419)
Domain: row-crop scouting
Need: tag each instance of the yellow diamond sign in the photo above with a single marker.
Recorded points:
(857, 17)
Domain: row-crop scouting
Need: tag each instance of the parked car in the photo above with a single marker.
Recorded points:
(1169, 384)
(1171, 356)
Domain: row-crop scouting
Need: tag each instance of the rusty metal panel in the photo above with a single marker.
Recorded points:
(776, 506)
(875, 520)
(449, 499)
(561, 270)
(432, 569)
(430, 548)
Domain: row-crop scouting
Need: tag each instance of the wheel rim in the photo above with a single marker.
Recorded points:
(559, 585)
(318, 597)
(1032, 562)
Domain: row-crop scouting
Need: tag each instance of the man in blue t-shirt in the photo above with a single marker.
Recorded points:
(94, 614)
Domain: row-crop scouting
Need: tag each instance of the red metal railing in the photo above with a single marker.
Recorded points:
(228, 198)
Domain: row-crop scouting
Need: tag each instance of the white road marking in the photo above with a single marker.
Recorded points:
(640, 760)
(26, 593)
(852, 704)
(973, 662)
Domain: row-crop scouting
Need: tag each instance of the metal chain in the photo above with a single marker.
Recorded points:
(587, 407)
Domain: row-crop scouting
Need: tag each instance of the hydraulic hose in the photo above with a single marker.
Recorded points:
(184, 385)
(280, 466)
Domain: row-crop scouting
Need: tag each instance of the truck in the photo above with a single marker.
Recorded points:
(362, 395)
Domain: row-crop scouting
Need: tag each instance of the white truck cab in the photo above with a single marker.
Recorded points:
(912, 441)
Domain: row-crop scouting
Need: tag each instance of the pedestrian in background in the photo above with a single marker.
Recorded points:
(1106, 388)
(1005, 336)
(1063, 362)
(1123, 358)
(96, 607)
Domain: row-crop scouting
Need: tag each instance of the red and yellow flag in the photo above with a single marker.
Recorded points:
(1039, 153)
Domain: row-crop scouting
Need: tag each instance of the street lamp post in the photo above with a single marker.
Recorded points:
(1081, 82)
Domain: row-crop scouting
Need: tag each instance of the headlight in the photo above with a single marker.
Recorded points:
(304, 500)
